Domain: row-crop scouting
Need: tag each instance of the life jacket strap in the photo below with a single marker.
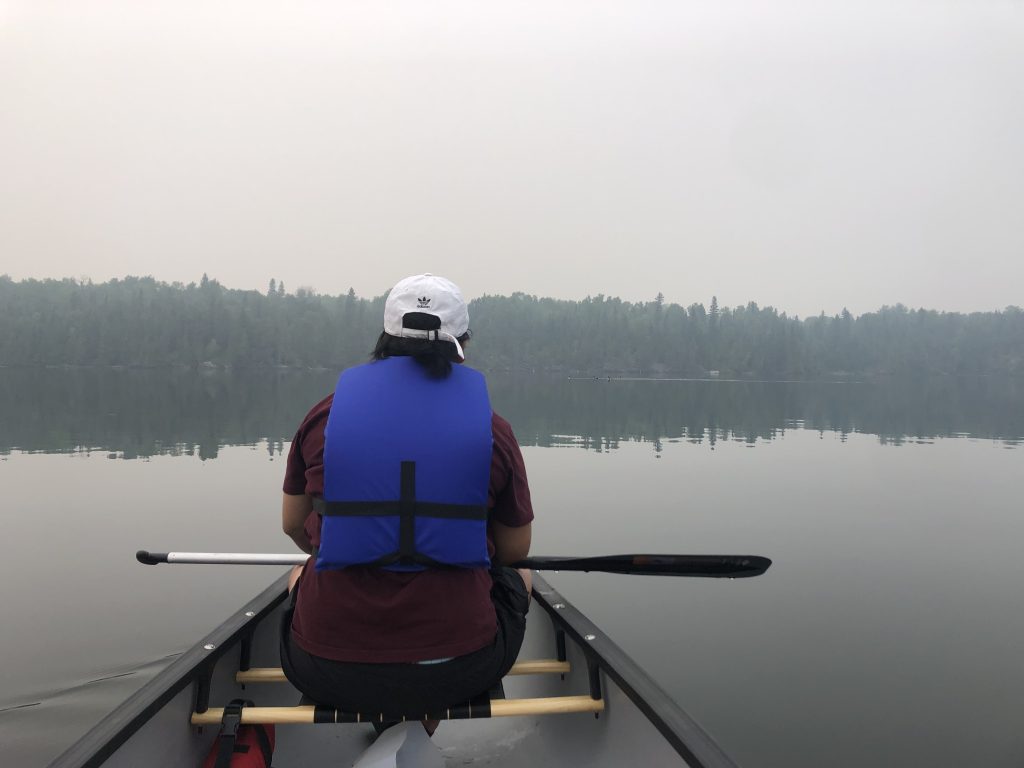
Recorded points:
(407, 508)
(392, 509)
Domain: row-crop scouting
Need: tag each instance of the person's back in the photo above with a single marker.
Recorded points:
(417, 485)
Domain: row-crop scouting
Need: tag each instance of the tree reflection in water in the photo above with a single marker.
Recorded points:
(138, 413)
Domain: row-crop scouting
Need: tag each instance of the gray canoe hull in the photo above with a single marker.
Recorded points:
(639, 723)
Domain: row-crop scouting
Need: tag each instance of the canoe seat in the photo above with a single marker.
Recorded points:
(534, 667)
(481, 707)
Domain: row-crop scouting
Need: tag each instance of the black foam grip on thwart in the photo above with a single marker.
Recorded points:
(324, 714)
(478, 707)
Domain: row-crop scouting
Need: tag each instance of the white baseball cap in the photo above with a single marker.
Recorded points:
(429, 295)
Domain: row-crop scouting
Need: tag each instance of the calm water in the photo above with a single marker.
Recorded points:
(887, 632)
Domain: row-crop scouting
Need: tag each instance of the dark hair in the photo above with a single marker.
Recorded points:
(435, 356)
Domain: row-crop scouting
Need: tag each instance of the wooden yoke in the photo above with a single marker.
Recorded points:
(471, 710)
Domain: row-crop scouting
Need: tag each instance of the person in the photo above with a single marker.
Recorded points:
(411, 496)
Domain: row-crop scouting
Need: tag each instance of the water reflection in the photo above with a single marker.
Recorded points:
(141, 413)
(599, 413)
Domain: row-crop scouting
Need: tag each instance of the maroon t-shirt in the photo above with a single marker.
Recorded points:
(372, 615)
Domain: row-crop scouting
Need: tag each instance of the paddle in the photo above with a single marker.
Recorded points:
(707, 566)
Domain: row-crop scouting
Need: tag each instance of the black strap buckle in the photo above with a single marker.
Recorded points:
(231, 720)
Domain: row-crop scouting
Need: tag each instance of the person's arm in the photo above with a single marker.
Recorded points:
(510, 544)
(511, 515)
(294, 511)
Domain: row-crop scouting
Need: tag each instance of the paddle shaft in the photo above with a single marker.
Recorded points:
(707, 566)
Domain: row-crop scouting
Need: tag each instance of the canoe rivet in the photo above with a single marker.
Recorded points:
(209, 646)
(590, 637)
(250, 614)
(558, 606)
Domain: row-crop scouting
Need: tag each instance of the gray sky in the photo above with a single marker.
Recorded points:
(807, 155)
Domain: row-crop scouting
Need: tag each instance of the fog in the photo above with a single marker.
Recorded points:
(809, 156)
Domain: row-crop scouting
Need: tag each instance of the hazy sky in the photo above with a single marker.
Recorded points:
(808, 155)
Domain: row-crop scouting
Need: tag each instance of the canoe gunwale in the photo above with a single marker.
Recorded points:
(685, 735)
(103, 739)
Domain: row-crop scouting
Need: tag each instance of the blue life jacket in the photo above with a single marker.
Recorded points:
(407, 466)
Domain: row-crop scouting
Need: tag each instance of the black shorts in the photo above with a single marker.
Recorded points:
(407, 689)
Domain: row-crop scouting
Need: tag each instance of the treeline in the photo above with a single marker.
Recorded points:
(143, 322)
(140, 321)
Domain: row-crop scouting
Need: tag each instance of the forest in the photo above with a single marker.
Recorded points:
(142, 322)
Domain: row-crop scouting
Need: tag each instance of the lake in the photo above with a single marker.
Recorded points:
(887, 632)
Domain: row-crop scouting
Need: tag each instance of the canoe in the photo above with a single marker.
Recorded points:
(573, 697)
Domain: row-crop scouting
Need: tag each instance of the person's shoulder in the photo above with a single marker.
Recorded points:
(323, 406)
(500, 428)
(318, 412)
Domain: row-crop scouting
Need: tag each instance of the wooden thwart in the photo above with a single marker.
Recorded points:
(498, 708)
(534, 667)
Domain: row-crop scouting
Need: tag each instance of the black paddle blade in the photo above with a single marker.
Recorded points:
(706, 566)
